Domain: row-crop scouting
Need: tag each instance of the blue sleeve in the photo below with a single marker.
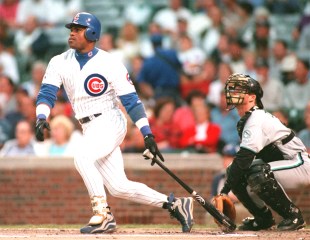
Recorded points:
(47, 95)
(133, 106)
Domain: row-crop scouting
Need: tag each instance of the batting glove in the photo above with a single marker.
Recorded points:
(41, 124)
(151, 145)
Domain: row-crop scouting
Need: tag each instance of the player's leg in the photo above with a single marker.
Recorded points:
(292, 174)
(100, 137)
(102, 219)
(116, 181)
(264, 184)
(262, 217)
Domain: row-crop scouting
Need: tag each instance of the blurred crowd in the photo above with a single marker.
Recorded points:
(178, 56)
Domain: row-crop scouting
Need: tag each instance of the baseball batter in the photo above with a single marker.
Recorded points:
(95, 83)
(271, 159)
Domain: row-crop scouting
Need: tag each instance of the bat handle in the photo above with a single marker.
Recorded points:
(147, 153)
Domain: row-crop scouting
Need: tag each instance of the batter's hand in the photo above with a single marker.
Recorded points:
(41, 124)
(151, 145)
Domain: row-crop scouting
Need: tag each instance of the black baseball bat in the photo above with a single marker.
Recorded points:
(227, 224)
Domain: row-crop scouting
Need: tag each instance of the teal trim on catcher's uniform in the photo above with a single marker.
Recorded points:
(299, 161)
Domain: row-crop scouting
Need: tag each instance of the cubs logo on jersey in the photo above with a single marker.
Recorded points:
(95, 85)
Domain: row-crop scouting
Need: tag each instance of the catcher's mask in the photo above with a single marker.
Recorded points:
(90, 22)
(237, 85)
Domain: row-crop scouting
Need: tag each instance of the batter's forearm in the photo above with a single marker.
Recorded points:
(47, 95)
(136, 112)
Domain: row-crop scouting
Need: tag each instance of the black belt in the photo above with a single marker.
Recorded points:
(288, 138)
(89, 118)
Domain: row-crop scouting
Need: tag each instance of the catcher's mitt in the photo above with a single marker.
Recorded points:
(224, 205)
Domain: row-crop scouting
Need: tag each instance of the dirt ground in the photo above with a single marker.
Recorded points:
(149, 234)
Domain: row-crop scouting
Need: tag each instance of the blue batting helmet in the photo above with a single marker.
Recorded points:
(92, 24)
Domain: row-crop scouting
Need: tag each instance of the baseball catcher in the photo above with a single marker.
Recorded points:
(271, 159)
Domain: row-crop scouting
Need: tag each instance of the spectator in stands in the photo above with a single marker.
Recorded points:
(231, 17)
(25, 109)
(192, 59)
(217, 86)
(162, 125)
(7, 95)
(297, 94)
(147, 49)
(221, 53)
(204, 137)
(288, 68)
(301, 33)
(303, 21)
(182, 28)
(31, 43)
(6, 37)
(23, 144)
(8, 11)
(59, 143)
(183, 117)
(279, 51)
(41, 9)
(138, 12)
(246, 25)
(8, 63)
(227, 120)
(210, 38)
(236, 48)
(167, 17)
(273, 89)
(249, 62)
(200, 21)
(261, 38)
(304, 134)
(199, 82)
(159, 75)
(6, 132)
(32, 86)
(128, 42)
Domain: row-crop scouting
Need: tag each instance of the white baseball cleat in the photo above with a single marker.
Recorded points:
(107, 224)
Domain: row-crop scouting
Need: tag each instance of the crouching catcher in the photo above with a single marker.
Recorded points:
(271, 159)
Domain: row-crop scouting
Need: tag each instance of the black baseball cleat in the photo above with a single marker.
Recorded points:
(293, 222)
(263, 222)
(182, 210)
(253, 224)
(108, 225)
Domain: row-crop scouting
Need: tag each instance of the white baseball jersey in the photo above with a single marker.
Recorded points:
(261, 129)
(93, 88)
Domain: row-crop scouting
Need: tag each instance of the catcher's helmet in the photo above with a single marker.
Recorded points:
(237, 85)
(90, 22)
